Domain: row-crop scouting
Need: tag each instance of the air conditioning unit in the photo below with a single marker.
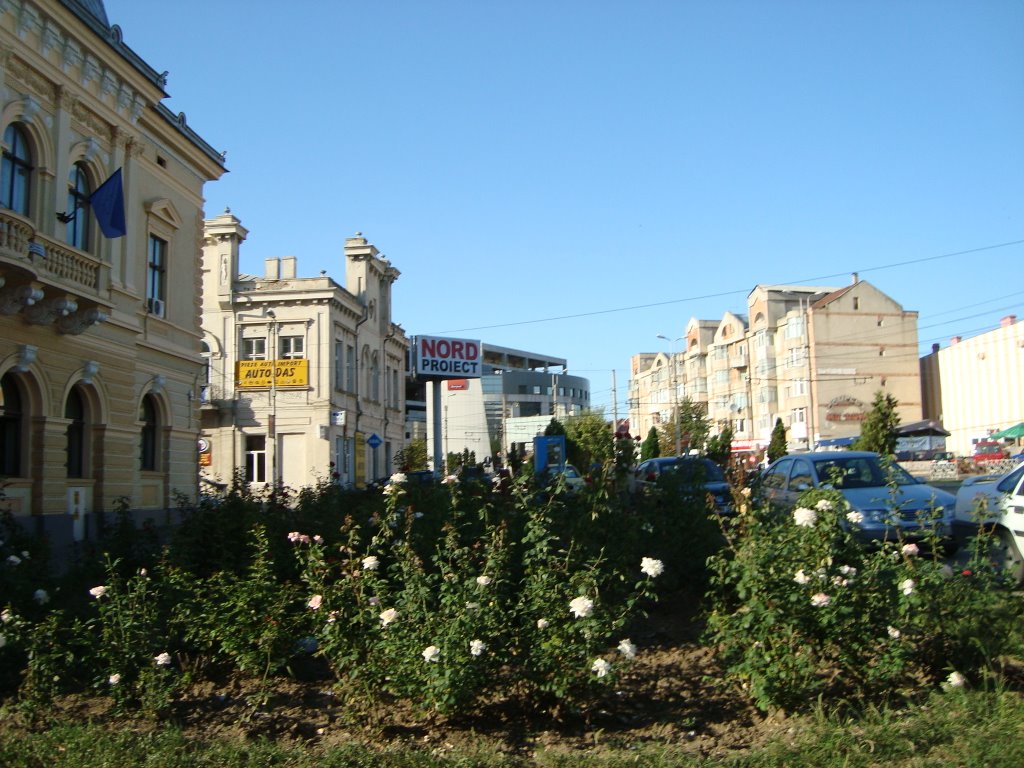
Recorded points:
(156, 307)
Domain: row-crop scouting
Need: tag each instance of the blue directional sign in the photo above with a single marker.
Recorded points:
(374, 440)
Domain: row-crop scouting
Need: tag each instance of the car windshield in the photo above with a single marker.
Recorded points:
(704, 470)
(860, 472)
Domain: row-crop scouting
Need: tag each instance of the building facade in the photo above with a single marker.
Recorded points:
(811, 356)
(515, 389)
(975, 386)
(306, 377)
(99, 315)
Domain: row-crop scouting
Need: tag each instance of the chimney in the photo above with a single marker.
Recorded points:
(935, 348)
(856, 279)
(954, 340)
(288, 268)
(272, 269)
(1007, 321)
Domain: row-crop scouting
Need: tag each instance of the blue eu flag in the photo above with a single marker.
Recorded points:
(108, 204)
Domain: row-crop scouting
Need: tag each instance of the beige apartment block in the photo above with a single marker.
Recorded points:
(811, 356)
(99, 335)
(975, 386)
(306, 378)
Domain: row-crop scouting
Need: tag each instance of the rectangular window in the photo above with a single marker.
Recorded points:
(799, 387)
(156, 277)
(290, 348)
(795, 328)
(254, 349)
(339, 364)
(350, 368)
(394, 388)
(798, 416)
(795, 357)
(256, 458)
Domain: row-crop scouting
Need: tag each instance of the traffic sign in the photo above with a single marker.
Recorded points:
(374, 440)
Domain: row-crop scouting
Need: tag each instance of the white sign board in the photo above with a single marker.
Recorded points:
(443, 358)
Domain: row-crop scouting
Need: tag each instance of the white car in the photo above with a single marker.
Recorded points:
(998, 500)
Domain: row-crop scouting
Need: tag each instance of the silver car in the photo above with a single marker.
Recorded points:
(894, 504)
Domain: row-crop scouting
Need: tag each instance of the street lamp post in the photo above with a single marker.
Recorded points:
(675, 388)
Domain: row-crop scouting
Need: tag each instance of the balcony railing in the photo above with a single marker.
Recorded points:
(49, 260)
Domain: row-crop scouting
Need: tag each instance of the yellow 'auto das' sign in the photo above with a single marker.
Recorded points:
(277, 373)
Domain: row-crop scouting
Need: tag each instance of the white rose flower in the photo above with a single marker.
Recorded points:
(800, 577)
(13, 559)
(601, 667)
(370, 563)
(955, 680)
(430, 653)
(6, 616)
(820, 599)
(652, 567)
(909, 549)
(388, 616)
(627, 648)
(581, 607)
(114, 679)
(483, 581)
(543, 623)
(98, 592)
(907, 586)
(823, 505)
(855, 517)
(477, 647)
(893, 633)
(805, 517)
(163, 659)
(398, 478)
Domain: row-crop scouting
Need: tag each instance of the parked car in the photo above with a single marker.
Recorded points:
(688, 472)
(574, 481)
(996, 500)
(989, 450)
(894, 504)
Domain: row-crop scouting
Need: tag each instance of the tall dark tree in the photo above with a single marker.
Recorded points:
(878, 431)
(650, 449)
(777, 445)
(554, 427)
(719, 447)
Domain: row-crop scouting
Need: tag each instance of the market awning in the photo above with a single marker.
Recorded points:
(836, 442)
(926, 427)
(1010, 433)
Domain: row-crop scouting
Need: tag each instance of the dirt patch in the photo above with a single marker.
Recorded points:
(673, 694)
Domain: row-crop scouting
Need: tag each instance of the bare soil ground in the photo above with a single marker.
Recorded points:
(672, 695)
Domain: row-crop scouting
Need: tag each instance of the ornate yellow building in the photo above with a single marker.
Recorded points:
(99, 296)
(302, 372)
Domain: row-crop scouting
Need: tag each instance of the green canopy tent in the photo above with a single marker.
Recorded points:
(1016, 432)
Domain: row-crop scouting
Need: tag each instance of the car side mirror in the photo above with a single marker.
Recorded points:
(802, 487)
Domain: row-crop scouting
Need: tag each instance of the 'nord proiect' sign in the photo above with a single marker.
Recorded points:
(442, 358)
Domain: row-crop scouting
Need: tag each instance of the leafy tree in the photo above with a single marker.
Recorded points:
(693, 425)
(878, 431)
(719, 447)
(777, 445)
(554, 427)
(413, 457)
(588, 439)
(650, 449)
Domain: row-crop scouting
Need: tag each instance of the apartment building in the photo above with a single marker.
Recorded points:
(975, 386)
(813, 356)
(100, 208)
(305, 377)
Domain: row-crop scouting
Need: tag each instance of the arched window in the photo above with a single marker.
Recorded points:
(16, 173)
(11, 420)
(78, 208)
(74, 410)
(375, 378)
(147, 415)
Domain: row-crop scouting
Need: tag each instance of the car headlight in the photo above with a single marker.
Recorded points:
(875, 515)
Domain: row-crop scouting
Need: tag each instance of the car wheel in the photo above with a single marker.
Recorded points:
(1005, 556)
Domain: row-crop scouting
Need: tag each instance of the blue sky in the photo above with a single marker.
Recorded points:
(624, 166)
